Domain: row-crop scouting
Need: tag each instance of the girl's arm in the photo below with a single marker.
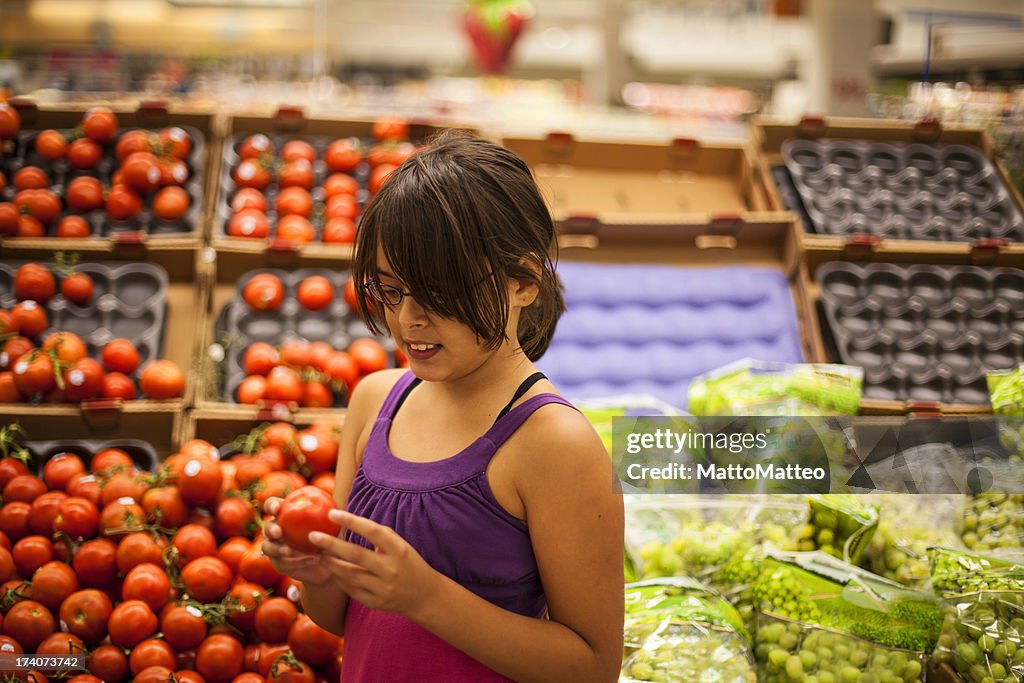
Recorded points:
(565, 480)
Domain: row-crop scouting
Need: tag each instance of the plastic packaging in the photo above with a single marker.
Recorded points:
(678, 630)
(984, 635)
(822, 619)
(840, 525)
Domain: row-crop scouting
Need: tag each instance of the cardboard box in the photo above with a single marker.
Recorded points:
(288, 121)
(817, 328)
(156, 421)
(768, 135)
(679, 183)
(155, 114)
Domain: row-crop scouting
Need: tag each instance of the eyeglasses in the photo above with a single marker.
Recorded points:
(389, 295)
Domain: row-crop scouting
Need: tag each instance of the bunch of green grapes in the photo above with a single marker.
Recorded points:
(789, 652)
(907, 527)
(830, 528)
(690, 652)
(780, 592)
(993, 520)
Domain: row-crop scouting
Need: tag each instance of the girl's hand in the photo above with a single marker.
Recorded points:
(304, 567)
(392, 577)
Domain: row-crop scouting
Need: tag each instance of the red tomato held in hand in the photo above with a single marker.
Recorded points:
(34, 282)
(162, 379)
(264, 292)
(303, 511)
(251, 223)
(99, 124)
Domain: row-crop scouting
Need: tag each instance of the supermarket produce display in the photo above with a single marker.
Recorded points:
(100, 178)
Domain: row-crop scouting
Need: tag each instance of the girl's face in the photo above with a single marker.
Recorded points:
(441, 349)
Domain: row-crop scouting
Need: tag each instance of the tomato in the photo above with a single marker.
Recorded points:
(51, 145)
(171, 203)
(249, 676)
(248, 198)
(295, 229)
(85, 678)
(379, 175)
(72, 227)
(315, 293)
(184, 628)
(341, 367)
(249, 223)
(149, 583)
(131, 622)
(318, 450)
(251, 173)
(325, 482)
(155, 674)
(343, 155)
(173, 172)
(84, 193)
(77, 518)
(68, 346)
(8, 390)
(9, 645)
(8, 218)
(340, 183)
(99, 124)
(10, 121)
(274, 457)
(175, 142)
(30, 318)
(303, 511)
(120, 517)
(319, 353)
(279, 434)
(30, 553)
(310, 643)
(25, 488)
(342, 206)
(278, 484)
(120, 487)
(95, 562)
(44, 511)
(255, 146)
(201, 481)
(151, 653)
(84, 154)
(187, 675)
(296, 353)
(198, 448)
(390, 128)
(86, 613)
(109, 663)
(162, 379)
(249, 469)
(14, 520)
(30, 178)
(259, 358)
(294, 200)
(219, 659)
(298, 149)
(29, 623)
(339, 230)
(231, 551)
(34, 282)
(193, 542)
(6, 565)
(246, 596)
(118, 385)
(165, 506)
(61, 644)
(316, 395)
(297, 174)
(123, 203)
(268, 654)
(83, 380)
(112, 460)
(264, 292)
(11, 468)
(207, 579)
(139, 548)
(30, 226)
(350, 295)
(369, 355)
(284, 384)
(15, 347)
(132, 141)
(34, 374)
(291, 670)
(255, 566)
(235, 517)
(7, 325)
(141, 172)
(84, 486)
(52, 583)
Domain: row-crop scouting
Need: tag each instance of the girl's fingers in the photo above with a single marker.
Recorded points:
(271, 506)
(350, 553)
(380, 536)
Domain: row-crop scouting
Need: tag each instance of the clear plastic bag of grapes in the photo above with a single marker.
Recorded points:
(716, 540)
(840, 525)
(825, 620)
(679, 631)
(984, 634)
(908, 525)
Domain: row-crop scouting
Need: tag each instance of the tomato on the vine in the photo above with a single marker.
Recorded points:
(254, 146)
(298, 173)
(118, 385)
(251, 173)
(284, 384)
(138, 548)
(44, 511)
(68, 346)
(34, 374)
(235, 516)
(132, 141)
(193, 542)
(175, 142)
(166, 506)
(207, 579)
(86, 613)
(259, 358)
(183, 627)
(152, 653)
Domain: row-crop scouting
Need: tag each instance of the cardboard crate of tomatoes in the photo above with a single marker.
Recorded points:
(158, 574)
(287, 181)
(102, 176)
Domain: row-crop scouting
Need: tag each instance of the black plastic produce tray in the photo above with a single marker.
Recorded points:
(129, 301)
(927, 333)
(903, 191)
(61, 173)
(228, 187)
(337, 324)
(142, 452)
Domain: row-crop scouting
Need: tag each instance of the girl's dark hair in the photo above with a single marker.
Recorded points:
(456, 221)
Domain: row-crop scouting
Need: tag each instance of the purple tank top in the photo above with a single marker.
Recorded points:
(447, 512)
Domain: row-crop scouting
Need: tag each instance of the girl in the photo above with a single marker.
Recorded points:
(482, 532)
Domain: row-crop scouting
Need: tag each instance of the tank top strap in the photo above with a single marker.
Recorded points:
(508, 423)
(395, 396)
